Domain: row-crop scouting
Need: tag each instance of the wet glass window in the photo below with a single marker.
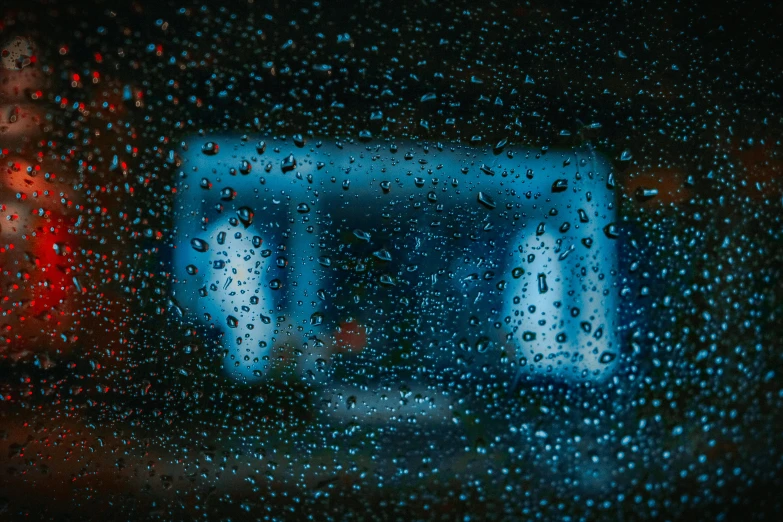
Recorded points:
(427, 261)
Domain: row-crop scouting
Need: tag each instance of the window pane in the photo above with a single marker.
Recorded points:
(270, 260)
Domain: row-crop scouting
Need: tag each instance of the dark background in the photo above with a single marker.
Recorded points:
(111, 416)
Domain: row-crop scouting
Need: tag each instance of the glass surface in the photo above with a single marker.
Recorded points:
(427, 261)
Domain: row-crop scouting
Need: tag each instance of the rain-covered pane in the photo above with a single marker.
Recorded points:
(415, 260)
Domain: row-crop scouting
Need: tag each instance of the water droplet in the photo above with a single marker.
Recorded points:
(645, 194)
(175, 308)
(360, 234)
(560, 185)
(289, 163)
(232, 321)
(566, 253)
(191, 269)
(486, 200)
(611, 231)
(227, 194)
(607, 357)
(626, 155)
(387, 280)
(245, 215)
(199, 245)
(542, 286)
(210, 148)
